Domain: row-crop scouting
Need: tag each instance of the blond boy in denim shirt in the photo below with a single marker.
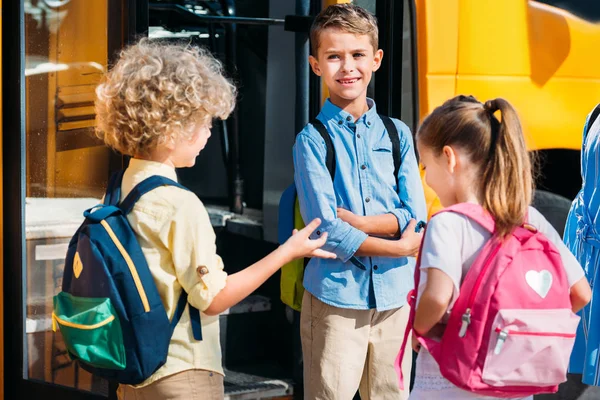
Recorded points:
(353, 315)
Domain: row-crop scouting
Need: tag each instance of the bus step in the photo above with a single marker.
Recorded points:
(241, 386)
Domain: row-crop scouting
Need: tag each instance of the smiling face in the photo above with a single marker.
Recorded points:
(346, 63)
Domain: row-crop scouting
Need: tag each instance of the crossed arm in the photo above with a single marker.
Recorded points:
(346, 237)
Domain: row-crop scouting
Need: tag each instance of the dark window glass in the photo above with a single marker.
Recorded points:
(586, 9)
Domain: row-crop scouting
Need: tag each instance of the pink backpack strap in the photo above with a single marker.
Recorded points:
(474, 212)
(482, 217)
(411, 301)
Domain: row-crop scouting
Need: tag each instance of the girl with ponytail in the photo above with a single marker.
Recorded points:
(472, 152)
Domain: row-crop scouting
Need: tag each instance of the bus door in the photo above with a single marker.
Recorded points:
(55, 52)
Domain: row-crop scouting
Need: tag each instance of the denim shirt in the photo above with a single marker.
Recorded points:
(364, 184)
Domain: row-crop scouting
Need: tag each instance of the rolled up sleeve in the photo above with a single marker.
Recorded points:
(410, 188)
(191, 239)
(317, 199)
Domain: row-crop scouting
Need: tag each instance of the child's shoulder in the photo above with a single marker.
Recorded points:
(168, 200)
(400, 125)
(404, 133)
(448, 222)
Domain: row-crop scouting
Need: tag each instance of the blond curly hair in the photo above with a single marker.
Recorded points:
(159, 92)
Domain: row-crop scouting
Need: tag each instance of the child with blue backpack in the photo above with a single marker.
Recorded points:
(368, 194)
(156, 105)
(496, 288)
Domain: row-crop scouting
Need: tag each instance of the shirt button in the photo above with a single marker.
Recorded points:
(369, 123)
(368, 199)
(340, 122)
(363, 166)
(348, 118)
(375, 267)
(358, 135)
(318, 232)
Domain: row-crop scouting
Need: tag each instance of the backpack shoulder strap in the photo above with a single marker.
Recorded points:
(474, 212)
(144, 187)
(136, 193)
(593, 118)
(392, 131)
(330, 157)
(194, 316)
(113, 190)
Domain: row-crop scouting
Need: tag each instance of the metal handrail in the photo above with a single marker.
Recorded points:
(215, 19)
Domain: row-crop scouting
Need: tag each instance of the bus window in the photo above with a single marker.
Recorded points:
(588, 10)
(67, 167)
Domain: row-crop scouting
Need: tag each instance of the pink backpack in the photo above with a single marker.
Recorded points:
(511, 330)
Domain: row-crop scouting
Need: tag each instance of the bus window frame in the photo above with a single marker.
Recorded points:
(128, 22)
(575, 11)
(388, 80)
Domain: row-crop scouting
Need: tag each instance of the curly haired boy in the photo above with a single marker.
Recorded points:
(156, 105)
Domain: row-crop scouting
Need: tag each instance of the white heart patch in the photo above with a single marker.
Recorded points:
(540, 282)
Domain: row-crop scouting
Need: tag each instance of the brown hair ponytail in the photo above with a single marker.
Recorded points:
(508, 186)
(496, 145)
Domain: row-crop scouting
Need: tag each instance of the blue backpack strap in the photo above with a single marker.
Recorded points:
(126, 206)
(194, 316)
(392, 131)
(195, 320)
(113, 190)
(144, 187)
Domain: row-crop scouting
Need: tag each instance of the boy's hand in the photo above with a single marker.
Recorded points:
(350, 217)
(410, 241)
(300, 245)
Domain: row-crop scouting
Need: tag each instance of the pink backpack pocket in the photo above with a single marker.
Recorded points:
(529, 347)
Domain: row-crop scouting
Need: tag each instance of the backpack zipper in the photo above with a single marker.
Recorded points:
(503, 335)
(61, 321)
(466, 318)
(130, 265)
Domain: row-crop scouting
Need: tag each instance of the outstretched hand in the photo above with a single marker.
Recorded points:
(300, 245)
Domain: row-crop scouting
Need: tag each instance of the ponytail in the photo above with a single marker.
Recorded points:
(496, 146)
(507, 177)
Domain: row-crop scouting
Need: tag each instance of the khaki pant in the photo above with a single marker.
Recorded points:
(193, 384)
(345, 350)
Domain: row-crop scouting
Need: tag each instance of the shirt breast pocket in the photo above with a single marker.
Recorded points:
(383, 162)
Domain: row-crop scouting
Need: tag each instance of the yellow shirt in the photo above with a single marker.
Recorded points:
(176, 236)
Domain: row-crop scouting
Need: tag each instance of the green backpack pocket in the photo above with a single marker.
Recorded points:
(91, 329)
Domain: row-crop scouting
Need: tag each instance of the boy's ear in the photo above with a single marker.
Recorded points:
(377, 57)
(169, 143)
(314, 64)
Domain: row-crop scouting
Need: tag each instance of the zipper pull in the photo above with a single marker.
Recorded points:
(501, 339)
(466, 320)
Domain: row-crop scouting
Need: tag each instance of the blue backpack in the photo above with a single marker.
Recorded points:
(292, 273)
(110, 314)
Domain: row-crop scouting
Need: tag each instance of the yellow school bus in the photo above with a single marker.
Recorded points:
(540, 55)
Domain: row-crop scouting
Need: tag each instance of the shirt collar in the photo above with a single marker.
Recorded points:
(332, 112)
(149, 168)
